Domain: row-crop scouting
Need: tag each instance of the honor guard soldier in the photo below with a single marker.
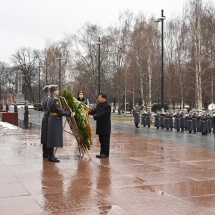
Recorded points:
(194, 122)
(1, 105)
(143, 118)
(213, 123)
(198, 120)
(206, 122)
(203, 124)
(7, 106)
(26, 115)
(209, 117)
(171, 114)
(148, 118)
(177, 120)
(185, 121)
(162, 115)
(15, 107)
(136, 115)
(157, 119)
(166, 120)
(44, 125)
(189, 122)
(55, 133)
(182, 121)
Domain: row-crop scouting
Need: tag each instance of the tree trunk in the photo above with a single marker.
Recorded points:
(198, 66)
(149, 80)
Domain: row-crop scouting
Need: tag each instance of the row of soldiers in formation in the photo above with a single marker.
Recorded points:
(193, 121)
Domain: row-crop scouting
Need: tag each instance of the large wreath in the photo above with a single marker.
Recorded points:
(81, 119)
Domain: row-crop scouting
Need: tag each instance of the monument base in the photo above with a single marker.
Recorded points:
(20, 99)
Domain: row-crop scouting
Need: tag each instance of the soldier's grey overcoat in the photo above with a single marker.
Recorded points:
(136, 114)
(157, 120)
(44, 125)
(55, 111)
(177, 121)
(190, 123)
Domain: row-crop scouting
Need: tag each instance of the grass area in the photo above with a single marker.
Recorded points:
(122, 117)
(128, 118)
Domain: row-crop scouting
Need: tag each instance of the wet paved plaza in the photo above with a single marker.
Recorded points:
(145, 174)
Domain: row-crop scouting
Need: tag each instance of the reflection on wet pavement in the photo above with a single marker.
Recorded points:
(143, 175)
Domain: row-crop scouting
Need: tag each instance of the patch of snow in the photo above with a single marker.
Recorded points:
(5, 125)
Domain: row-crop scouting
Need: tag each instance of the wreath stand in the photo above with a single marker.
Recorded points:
(74, 128)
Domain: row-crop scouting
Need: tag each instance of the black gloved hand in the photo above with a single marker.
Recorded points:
(68, 113)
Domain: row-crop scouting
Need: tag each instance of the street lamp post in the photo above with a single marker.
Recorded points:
(161, 19)
(39, 83)
(99, 67)
(125, 94)
(162, 63)
(46, 71)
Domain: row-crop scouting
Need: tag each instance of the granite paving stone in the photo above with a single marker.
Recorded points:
(148, 172)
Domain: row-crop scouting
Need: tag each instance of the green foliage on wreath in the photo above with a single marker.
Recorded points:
(80, 117)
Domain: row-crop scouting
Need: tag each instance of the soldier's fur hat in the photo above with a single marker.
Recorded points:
(54, 88)
(46, 89)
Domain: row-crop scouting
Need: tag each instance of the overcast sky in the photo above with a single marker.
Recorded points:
(31, 23)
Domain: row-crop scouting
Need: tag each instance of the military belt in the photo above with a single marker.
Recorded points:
(189, 120)
(177, 118)
(53, 114)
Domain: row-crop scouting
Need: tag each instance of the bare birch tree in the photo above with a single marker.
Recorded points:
(27, 59)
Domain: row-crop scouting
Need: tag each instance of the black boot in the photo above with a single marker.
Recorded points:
(51, 157)
(45, 151)
(194, 130)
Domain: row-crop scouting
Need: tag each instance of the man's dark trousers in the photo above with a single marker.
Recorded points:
(105, 144)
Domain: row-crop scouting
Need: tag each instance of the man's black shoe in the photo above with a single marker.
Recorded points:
(102, 156)
(53, 159)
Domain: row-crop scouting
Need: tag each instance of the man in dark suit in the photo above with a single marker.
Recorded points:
(102, 115)
(55, 133)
